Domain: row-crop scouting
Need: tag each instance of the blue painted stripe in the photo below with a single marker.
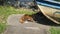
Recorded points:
(49, 4)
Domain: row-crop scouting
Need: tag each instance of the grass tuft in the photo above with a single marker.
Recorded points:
(55, 30)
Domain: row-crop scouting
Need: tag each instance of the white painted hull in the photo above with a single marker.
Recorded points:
(51, 13)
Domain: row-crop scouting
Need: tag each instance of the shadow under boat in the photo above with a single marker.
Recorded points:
(42, 19)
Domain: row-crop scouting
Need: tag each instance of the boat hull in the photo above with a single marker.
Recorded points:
(51, 13)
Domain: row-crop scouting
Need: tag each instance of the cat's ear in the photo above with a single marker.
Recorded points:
(25, 15)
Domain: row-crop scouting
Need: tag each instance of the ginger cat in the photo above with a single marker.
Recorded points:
(26, 18)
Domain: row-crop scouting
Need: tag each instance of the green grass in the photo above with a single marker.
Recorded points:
(55, 30)
(2, 27)
(6, 11)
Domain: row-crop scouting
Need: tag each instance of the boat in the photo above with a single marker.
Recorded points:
(51, 9)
